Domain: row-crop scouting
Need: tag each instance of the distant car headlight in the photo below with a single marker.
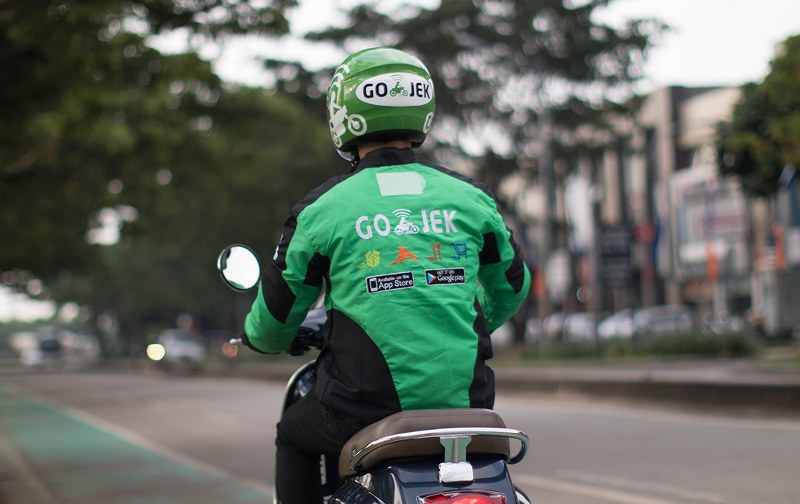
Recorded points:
(156, 351)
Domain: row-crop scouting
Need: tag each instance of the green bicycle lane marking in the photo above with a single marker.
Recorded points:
(48, 454)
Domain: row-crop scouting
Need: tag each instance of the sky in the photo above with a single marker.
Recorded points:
(712, 42)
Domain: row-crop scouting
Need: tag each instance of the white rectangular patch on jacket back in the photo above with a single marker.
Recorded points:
(400, 183)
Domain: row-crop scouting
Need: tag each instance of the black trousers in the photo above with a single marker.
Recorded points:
(306, 431)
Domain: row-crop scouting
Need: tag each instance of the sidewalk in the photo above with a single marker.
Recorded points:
(735, 386)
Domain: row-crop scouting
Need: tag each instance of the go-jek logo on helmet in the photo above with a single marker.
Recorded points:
(396, 90)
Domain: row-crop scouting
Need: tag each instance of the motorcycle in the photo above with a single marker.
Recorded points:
(448, 456)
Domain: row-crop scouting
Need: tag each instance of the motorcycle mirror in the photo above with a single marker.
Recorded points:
(239, 267)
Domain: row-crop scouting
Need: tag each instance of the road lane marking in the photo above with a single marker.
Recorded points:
(34, 487)
(595, 492)
(652, 488)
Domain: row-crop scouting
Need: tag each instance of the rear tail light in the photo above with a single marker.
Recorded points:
(464, 498)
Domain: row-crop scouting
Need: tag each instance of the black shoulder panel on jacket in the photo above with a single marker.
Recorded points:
(317, 269)
(515, 274)
(481, 390)
(490, 253)
(278, 297)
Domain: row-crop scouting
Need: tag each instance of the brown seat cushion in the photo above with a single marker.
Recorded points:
(419, 420)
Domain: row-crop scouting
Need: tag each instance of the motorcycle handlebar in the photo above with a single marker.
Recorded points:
(308, 336)
(303, 342)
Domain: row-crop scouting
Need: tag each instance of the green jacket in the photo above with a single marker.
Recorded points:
(419, 268)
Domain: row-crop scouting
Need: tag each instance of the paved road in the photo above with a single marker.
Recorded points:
(136, 437)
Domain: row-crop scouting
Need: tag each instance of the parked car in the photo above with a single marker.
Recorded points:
(533, 329)
(503, 336)
(618, 326)
(45, 352)
(554, 326)
(724, 322)
(580, 326)
(178, 349)
(663, 319)
(55, 347)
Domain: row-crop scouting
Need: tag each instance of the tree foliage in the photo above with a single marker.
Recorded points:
(763, 136)
(86, 102)
(100, 128)
(237, 186)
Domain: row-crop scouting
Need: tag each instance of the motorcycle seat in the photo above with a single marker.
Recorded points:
(379, 444)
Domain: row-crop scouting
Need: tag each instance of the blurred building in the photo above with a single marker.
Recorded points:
(654, 223)
(689, 229)
(696, 239)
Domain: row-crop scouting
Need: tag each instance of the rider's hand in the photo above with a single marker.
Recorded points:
(246, 342)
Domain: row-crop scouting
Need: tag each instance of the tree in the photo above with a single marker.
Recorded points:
(89, 108)
(763, 135)
(258, 154)
(100, 126)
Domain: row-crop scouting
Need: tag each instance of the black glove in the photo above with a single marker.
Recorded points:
(301, 343)
(246, 342)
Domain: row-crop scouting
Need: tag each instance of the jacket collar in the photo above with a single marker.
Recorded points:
(387, 156)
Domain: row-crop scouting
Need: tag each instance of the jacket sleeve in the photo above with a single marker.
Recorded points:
(290, 284)
(504, 278)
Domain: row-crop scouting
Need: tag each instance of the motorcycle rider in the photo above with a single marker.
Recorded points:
(409, 312)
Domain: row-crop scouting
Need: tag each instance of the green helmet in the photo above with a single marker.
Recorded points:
(379, 93)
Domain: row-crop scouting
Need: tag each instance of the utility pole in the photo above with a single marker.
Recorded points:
(546, 177)
(596, 197)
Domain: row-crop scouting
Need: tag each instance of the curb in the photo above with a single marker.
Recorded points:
(740, 398)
